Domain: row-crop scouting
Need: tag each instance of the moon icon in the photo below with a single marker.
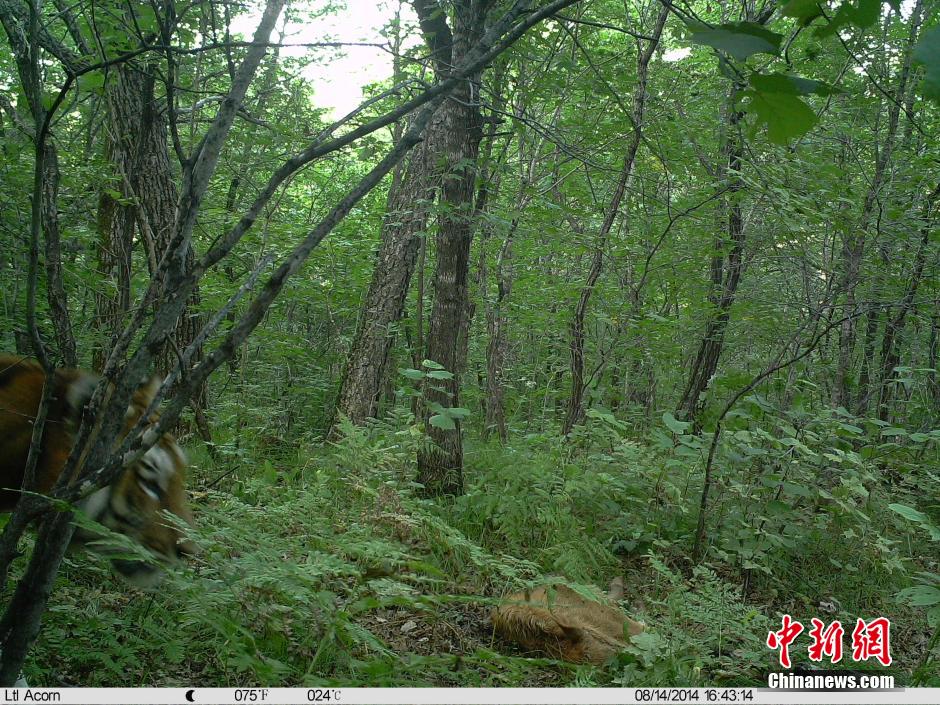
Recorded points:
(189, 696)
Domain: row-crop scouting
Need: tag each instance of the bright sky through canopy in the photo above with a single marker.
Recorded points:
(338, 79)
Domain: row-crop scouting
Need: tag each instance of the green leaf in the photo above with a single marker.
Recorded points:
(860, 15)
(807, 86)
(91, 82)
(790, 85)
(893, 431)
(676, 426)
(796, 489)
(805, 11)
(411, 373)
(48, 99)
(147, 19)
(442, 421)
(920, 596)
(775, 506)
(431, 365)
(866, 12)
(786, 116)
(449, 413)
(269, 473)
(739, 39)
(440, 374)
(909, 513)
(927, 53)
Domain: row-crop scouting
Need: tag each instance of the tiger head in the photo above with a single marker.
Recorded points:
(137, 504)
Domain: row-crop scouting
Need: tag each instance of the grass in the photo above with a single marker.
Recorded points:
(320, 564)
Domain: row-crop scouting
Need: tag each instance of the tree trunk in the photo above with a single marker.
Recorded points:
(157, 197)
(641, 380)
(116, 217)
(726, 268)
(138, 150)
(872, 323)
(894, 324)
(575, 409)
(55, 288)
(853, 247)
(933, 357)
(440, 467)
(497, 347)
(403, 229)
(23, 615)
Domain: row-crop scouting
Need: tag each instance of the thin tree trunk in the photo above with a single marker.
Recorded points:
(894, 324)
(640, 385)
(157, 196)
(55, 288)
(496, 350)
(933, 357)
(489, 180)
(575, 408)
(23, 615)
(872, 323)
(726, 270)
(853, 247)
(727, 263)
(231, 198)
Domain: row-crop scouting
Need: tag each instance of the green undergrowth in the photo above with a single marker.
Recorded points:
(320, 563)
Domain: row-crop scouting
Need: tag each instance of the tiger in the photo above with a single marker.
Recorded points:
(133, 503)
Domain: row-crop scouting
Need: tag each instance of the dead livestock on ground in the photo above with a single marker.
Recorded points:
(557, 621)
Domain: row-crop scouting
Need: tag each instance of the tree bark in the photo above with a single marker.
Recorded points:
(403, 228)
(497, 323)
(440, 466)
(139, 152)
(872, 323)
(23, 615)
(55, 288)
(116, 217)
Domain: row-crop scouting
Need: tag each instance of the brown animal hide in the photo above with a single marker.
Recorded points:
(556, 620)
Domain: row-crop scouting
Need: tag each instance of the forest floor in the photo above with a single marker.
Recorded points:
(321, 565)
